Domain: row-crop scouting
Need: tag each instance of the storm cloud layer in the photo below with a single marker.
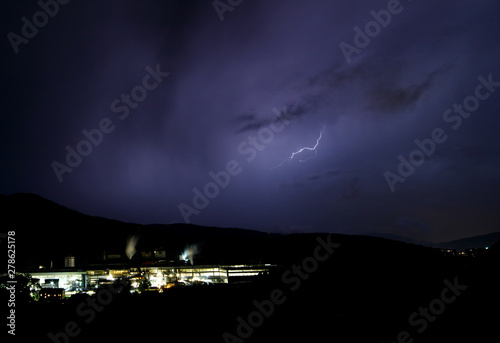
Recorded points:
(245, 93)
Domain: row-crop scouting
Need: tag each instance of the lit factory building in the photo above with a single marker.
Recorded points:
(153, 275)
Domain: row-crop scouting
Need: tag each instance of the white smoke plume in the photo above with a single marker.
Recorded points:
(190, 252)
(131, 243)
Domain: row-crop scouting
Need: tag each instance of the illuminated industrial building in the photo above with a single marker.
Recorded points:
(72, 280)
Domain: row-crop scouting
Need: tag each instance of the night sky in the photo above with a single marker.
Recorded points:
(170, 91)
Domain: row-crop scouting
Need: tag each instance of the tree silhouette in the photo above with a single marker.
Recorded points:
(26, 288)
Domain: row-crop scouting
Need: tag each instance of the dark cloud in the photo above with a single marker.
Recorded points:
(288, 113)
(393, 97)
(389, 100)
(320, 177)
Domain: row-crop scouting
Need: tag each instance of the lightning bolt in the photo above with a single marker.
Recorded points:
(303, 149)
(307, 148)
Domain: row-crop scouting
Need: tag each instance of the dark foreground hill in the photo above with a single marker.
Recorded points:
(335, 288)
(46, 231)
